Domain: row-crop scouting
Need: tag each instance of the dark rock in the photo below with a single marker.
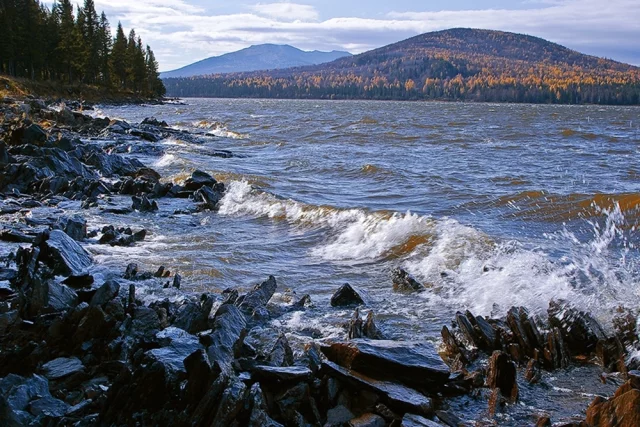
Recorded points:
(49, 407)
(194, 317)
(497, 402)
(368, 420)
(258, 297)
(525, 330)
(152, 121)
(403, 282)
(64, 255)
(449, 419)
(62, 367)
(142, 204)
(556, 353)
(131, 271)
(15, 236)
(199, 179)
(339, 416)
(271, 374)
(78, 282)
(409, 362)
(177, 345)
(580, 331)
(543, 421)
(60, 297)
(412, 420)
(209, 197)
(396, 396)
(74, 226)
(230, 403)
(145, 135)
(366, 329)
(533, 373)
(16, 393)
(258, 409)
(502, 375)
(281, 353)
(105, 293)
(177, 281)
(228, 326)
(346, 296)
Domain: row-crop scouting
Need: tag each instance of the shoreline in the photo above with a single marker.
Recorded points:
(89, 350)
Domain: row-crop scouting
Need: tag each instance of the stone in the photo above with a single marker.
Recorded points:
(177, 281)
(396, 396)
(580, 331)
(258, 409)
(502, 375)
(281, 353)
(532, 373)
(230, 403)
(62, 367)
(209, 197)
(16, 393)
(194, 317)
(338, 416)
(60, 297)
(15, 236)
(64, 255)
(285, 374)
(199, 179)
(406, 361)
(412, 420)
(49, 407)
(74, 226)
(228, 326)
(368, 420)
(258, 297)
(142, 204)
(152, 121)
(108, 291)
(404, 282)
(177, 345)
(366, 329)
(622, 410)
(346, 296)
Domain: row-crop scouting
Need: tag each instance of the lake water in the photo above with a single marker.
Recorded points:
(490, 206)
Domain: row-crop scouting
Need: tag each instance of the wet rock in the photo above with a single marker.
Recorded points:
(396, 396)
(532, 373)
(194, 317)
(543, 421)
(258, 409)
(477, 331)
(404, 282)
(177, 281)
(105, 293)
(271, 374)
(525, 330)
(62, 367)
(74, 226)
(145, 135)
(230, 403)
(502, 375)
(366, 329)
(368, 420)
(409, 362)
(338, 416)
(60, 297)
(131, 271)
(556, 353)
(121, 236)
(449, 419)
(48, 407)
(16, 393)
(346, 296)
(15, 236)
(258, 297)
(412, 420)
(610, 354)
(142, 204)
(64, 255)
(152, 121)
(199, 374)
(621, 410)
(580, 331)
(281, 353)
(177, 345)
(209, 197)
(199, 179)
(228, 326)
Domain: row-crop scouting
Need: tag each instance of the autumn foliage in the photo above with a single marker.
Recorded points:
(457, 64)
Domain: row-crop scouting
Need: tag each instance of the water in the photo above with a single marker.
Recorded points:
(489, 205)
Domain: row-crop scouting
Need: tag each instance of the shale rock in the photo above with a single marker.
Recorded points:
(503, 376)
(346, 296)
(64, 255)
(199, 179)
(622, 410)
(403, 282)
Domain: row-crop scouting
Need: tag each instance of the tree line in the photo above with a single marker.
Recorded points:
(74, 45)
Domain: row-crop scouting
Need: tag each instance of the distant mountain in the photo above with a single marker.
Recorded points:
(260, 57)
(456, 64)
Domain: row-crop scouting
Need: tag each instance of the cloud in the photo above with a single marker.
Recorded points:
(181, 33)
(285, 11)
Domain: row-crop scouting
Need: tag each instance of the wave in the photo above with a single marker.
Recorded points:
(218, 129)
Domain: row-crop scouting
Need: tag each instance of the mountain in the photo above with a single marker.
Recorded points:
(260, 57)
(457, 64)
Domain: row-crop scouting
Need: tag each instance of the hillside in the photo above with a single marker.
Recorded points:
(456, 64)
(260, 57)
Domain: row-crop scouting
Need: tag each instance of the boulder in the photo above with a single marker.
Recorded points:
(62, 367)
(199, 179)
(259, 416)
(16, 393)
(74, 226)
(403, 282)
(108, 291)
(277, 374)
(152, 121)
(209, 197)
(580, 331)
(622, 410)
(412, 420)
(367, 420)
(409, 362)
(281, 353)
(228, 326)
(142, 204)
(66, 257)
(503, 376)
(258, 297)
(230, 403)
(346, 296)
(48, 407)
(176, 346)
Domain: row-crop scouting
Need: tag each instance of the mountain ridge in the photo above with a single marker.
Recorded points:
(456, 64)
(266, 56)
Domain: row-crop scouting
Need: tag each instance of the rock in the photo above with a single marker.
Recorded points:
(412, 420)
(368, 420)
(611, 355)
(79, 282)
(230, 403)
(194, 317)
(152, 121)
(145, 135)
(366, 329)
(543, 421)
(131, 271)
(199, 374)
(525, 330)
(346, 296)
(258, 409)
(62, 367)
(338, 416)
(228, 326)
(105, 293)
(74, 226)
(177, 281)
(199, 179)
(281, 353)
(496, 402)
(409, 362)
(60, 297)
(209, 197)
(142, 204)
(396, 396)
(49, 407)
(15, 236)
(622, 410)
(177, 345)
(556, 353)
(580, 331)
(449, 419)
(533, 373)
(274, 374)
(64, 255)
(502, 375)
(477, 331)
(403, 282)
(258, 297)
(16, 393)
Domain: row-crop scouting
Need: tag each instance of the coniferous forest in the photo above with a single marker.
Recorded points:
(70, 45)
(455, 65)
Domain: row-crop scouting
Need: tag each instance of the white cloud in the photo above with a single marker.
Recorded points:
(285, 11)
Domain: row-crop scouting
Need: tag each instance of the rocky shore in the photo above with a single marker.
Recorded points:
(80, 346)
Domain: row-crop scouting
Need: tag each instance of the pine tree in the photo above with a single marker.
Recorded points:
(104, 49)
(90, 27)
(118, 58)
(155, 87)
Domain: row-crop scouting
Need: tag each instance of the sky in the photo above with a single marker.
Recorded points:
(181, 32)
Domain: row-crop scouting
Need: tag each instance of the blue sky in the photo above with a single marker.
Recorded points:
(183, 31)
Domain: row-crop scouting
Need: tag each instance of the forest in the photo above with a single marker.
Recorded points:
(74, 45)
(455, 65)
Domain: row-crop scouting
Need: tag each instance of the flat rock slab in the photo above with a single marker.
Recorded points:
(412, 420)
(284, 374)
(396, 396)
(62, 367)
(405, 361)
(65, 255)
(178, 345)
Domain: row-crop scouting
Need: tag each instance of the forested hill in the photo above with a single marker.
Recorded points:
(67, 45)
(456, 64)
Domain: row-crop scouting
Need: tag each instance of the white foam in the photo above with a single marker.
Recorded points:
(166, 160)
